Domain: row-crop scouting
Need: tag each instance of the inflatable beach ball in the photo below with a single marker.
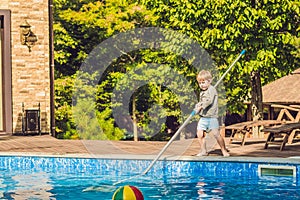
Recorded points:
(128, 192)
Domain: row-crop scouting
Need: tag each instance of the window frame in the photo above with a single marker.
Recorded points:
(6, 72)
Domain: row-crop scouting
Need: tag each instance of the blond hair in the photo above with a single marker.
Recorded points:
(204, 75)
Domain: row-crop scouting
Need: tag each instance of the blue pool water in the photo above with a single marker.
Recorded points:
(83, 178)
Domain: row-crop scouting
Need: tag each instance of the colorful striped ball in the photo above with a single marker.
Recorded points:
(128, 192)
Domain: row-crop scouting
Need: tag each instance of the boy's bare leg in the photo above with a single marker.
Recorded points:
(201, 139)
(220, 141)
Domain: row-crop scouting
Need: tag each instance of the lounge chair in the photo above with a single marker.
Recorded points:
(283, 131)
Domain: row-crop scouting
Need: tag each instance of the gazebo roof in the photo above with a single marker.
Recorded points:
(285, 90)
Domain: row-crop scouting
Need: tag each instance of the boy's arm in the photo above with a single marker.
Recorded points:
(208, 99)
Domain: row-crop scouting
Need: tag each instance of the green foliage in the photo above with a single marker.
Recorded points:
(65, 125)
(87, 22)
(80, 25)
(81, 121)
(94, 125)
(156, 97)
(91, 123)
(268, 30)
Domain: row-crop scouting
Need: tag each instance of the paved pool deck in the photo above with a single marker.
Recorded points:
(46, 145)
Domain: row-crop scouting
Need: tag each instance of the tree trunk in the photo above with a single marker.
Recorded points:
(256, 100)
(134, 119)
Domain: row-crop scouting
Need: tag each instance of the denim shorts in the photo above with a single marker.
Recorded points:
(206, 124)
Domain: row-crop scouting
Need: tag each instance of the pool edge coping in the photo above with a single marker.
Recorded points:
(289, 160)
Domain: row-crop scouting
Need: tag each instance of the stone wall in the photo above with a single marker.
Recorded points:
(30, 70)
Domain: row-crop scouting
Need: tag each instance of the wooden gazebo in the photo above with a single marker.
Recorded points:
(283, 91)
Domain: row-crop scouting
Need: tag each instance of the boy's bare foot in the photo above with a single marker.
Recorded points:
(225, 153)
(202, 154)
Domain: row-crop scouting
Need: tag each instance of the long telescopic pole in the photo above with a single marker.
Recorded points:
(189, 118)
(230, 67)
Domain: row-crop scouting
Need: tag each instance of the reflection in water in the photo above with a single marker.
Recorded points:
(32, 186)
(2, 185)
(212, 191)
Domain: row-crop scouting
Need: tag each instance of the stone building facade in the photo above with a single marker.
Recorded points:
(26, 66)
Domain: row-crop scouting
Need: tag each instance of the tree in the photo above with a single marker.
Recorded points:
(268, 30)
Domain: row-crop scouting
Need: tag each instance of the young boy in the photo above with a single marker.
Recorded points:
(208, 111)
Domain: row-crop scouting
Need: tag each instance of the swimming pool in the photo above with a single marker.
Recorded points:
(36, 177)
